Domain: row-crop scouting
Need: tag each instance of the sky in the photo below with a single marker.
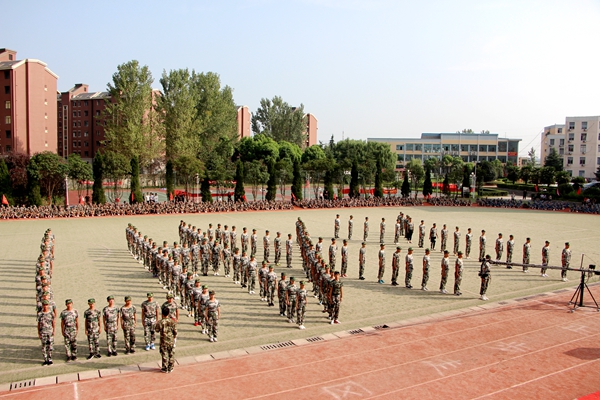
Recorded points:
(364, 68)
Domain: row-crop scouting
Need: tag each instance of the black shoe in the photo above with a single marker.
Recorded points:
(49, 362)
(74, 358)
(90, 357)
(126, 351)
(114, 353)
(109, 353)
(97, 355)
(132, 351)
(45, 363)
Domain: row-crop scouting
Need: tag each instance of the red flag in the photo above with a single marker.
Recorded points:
(557, 192)
(171, 196)
(293, 197)
(4, 201)
(579, 190)
(536, 187)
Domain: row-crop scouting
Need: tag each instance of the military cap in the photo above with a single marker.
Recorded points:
(459, 253)
(45, 302)
(145, 236)
(190, 274)
(364, 243)
(45, 293)
(211, 292)
(345, 240)
(204, 286)
(400, 248)
(282, 274)
(169, 295)
(90, 301)
(68, 301)
(197, 280)
(566, 243)
(127, 298)
(111, 297)
(149, 294)
(292, 278)
(302, 282)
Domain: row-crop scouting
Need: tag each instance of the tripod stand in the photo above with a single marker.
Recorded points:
(577, 299)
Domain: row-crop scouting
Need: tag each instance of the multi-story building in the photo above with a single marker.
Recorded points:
(80, 127)
(311, 130)
(582, 136)
(243, 121)
(471, 147)
(27, 110)
(553, 138)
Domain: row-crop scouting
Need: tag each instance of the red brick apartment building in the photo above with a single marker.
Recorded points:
(27, 109)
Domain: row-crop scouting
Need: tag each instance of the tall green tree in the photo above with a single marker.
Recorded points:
(547, 175)
(297, 180)
(278, 120)
(597, 174)
(132, 124)
(116, 167)
(79, 172)
(513, 173)
(17, 168)
(354, 186)
(272, 182)
(554, 160)
(170, 179)
(98, 195)
(50, 170)
(5, 186)
(240, 192)
(136, 195)
(416, 173)
(405, 190)
(525, 173)
(427, 185)
(188, 169)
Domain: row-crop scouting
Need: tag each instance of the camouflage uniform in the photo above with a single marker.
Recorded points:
(288, 252)
(266, 247)
(336, 299)
(69, 319)
(445, 269)
(381, 231)
(301, 306)
(92, 327)
(128, 318)
(458, 273)
(291, 300)
(344, 253)
(212, 314)
(277, 247)
(226, 260)
(46, 333)
(421, 234)
(365, 230)
(426, 266)
(526, 254)
(350, 228)
(469, 242)
(149, 309)
(484, 274)
(482, 241)
(381, 256)
(281, 289)
(395, 267)
(409, 270)
(336, 228)
(362, 261)
(167, 329)
(110, 315)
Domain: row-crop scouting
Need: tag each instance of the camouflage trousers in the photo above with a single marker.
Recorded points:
(509, 255)
(335, 306)
(167, 354)
(381, 236)
(361, 270)
(525, 261)
(397, 237)
(484, 285)
(332, 262)
(456, 247)
(237, 272)
(71, 344)
(394, 275)
(263, 288)
(381, 272)
(425, 277)
(336, 232)
(195, 266)
(129, 333)
(111, 341)
(421, 240)
(499, 254)
(47, 340)
(94, 342)
(468, 250)
(481, 253)
(408, 277)
(444, 281)
(291, 308)
(349, 233)
(270, 292)
(205, 262)
(149, 331)
(300, 313)
(266, 253)
(251, 282)
(344, 267)
(457, 282)
(288, 260)
(213, 325)
(253, 249)
(277, 256)
(365, 236)
(215, 265)
(227, 265)
(282, 304)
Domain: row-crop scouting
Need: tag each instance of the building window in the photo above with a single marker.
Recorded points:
(7, 120)
(502, 159)
(492, 148)
(74, 113)
(85, 134)
(74, 134)
(454, 147)
(562, 142)
(571, 136)
(98, 114)
(582, 148)
(582, 173)
(85, 113)
(559, 130)
(464, 147)
(427, 148)
(483, 148)
(400, 157)
(6, 74)
(8, 148)
(570, 148)
(7, 104)
(86, 144)
(409, 147)
(561, 151)
(87, 153)
(8, 134)
(581, 160)
(569, 160)
(551, 142)
(85, 123)
(584, 125)
(571, 125)
(97, 133)
(6, 89)
(85, 103)
(598, 161)
(418, 147)
(502, 146)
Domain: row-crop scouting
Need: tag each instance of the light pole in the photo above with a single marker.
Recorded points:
(473, 183)
(66, 191)
(196, 189)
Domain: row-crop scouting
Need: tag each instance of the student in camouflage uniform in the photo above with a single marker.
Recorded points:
(271, 285)
(195, 294)
(149, 319)
(91, 318)
(128, 322)
(396, 266)
(456, 240)
(458, 273)
(110, 317)
(301, 300)
(381, 230)
(332, 253)
(253, 242)
(226, 260)
(233, 237)
(409, 268)
(381, 256)
(290, 299)
(526, 254)
(410, 228)
(433, 234)
(244, 271)
(69, 323)
(397, 231)
(277, 247)
(482, 242)
(545, 258)
(421, 234)
(46, 327)
(262, 280)
(366, 229)
(565, 259)
(426, 266)
(350, 227)
(336, 228)
(469, 242)
(510, 249)
(445, 271)
(217, 256)
(444, 243)
(167, 329)
(281, 290)
(244, 240)
(251, 274)
(266, 247)
(172, 306)
(237, 266)
(204, 297)
(484, 274)
(499, 247)
(344, 253)
(362, 261)
(289, 246)
(206, 253)
(336, 293)
(213, 314)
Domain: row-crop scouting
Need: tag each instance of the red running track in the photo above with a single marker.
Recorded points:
(529, 349)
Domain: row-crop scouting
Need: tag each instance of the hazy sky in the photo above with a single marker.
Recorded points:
(368, 68)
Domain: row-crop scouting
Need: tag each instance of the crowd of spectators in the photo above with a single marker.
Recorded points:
(449, 202)
(359, 202)
(500, 203)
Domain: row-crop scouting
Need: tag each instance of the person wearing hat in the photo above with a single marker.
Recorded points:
(482, 243)
(499, 247)
(128, 318)
(217, 257)
(253, 242)
(456, 240)
(433, 235)
(366, 229)
(172, 306)
(397, 230)
(545, 258)
(319, 246)
(410, 229)
(526, 254)
(422, 234)
(396, 266)
(69, 325)
(91, 318)
(381, 230)
(110, 317)
(445, 270)
(469, 242)
(237, 266)
(266, 246)
(350, 227)
(409, 260)
(344, 253)
(263, 273)
(46, 318)
(362, 261)
(271, 285)
(444, 238)
(244, 237)
(565, 260)
(332, 253)
(336, 226)
(205, 256)
(204, 296)
(281, 289)
(251, 274)
(167, 329)
(426, 265)
(233, 237)
(290, 299)
(227, 259)
(277, 248)
(381, 257)
(195, 294)
(510, 249)
(289, 247)
(149, 319)
(225, 235)
(336, 293)
(188, 283)
(484, 274)
(212, 314)
(458, 273)
(301, 300)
